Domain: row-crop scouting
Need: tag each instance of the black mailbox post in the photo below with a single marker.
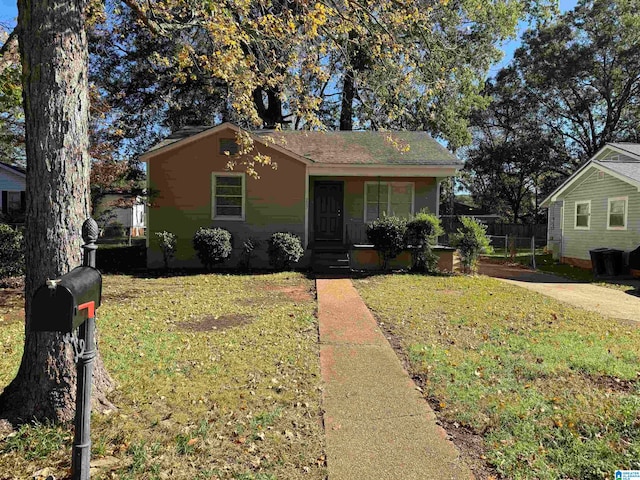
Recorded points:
(65, 305)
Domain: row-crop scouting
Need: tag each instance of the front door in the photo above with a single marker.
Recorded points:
(327, 212)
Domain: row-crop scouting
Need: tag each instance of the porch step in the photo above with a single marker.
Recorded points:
(328, 262)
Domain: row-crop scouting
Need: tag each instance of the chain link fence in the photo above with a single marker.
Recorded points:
(517, 249)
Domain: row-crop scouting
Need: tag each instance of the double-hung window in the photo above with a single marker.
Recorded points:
(583, 215)
(228, 196)
(388, 198)
(617, 213)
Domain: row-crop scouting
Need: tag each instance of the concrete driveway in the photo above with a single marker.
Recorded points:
(606, 301)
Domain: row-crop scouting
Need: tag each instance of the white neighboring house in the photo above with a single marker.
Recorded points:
(12, 193)
(131, 217)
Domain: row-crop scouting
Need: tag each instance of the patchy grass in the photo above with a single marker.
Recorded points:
(218, 377)
(553, 390)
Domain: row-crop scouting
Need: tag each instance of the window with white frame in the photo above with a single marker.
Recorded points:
(583, 215)
(617, 213)
(228, 196)
(388, 198)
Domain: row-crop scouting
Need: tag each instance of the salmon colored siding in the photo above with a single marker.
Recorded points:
(182, 178)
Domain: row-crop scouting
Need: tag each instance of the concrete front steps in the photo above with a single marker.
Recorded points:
(330, 261)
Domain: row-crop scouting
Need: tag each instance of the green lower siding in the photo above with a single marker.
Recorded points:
(260, 223)
(576, 243)
(262, 219)
(425, 197)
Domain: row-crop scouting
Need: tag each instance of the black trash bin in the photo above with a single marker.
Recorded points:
(597, 260)
(612, 261)
(634, 262)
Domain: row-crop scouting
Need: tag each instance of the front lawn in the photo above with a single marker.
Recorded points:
(553, 391)
(218, 377)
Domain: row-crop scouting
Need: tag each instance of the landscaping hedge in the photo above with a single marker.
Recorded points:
(121, 258)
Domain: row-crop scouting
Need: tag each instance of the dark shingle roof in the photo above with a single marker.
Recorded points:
(364, 148)
(181, 134)
(359, 148)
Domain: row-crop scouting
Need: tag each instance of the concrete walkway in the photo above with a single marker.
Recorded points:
(377, 424)
(606, 301)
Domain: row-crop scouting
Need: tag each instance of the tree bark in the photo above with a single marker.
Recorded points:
(53, 47)
(348, 93)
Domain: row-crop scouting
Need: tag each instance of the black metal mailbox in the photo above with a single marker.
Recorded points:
(62, 305)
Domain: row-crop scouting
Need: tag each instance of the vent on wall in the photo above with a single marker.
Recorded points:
(600, 175)
(228, 146)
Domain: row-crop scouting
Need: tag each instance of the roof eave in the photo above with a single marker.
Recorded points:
(344, 169)
(145, 157)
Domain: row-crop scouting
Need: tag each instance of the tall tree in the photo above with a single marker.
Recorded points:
(327, 64)
(11, 114)
(581, 75)
(513, 161)
(572, 87)
(53, 48)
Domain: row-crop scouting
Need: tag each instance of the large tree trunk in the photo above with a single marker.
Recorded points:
(348, 93)
(53, 46)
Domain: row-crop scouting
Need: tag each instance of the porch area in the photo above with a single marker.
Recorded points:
(341, 206)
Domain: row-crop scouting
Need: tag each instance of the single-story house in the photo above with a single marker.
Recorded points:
(121, 211)
(13, 182)
(325, 189)
(597, 206)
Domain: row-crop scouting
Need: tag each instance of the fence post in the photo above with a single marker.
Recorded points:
(533, 252)
(506, 246)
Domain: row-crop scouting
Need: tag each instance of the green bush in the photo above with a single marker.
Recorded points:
(213, 245)
(387, 234)
(168, 244)
(11, 252)
(423, 231)
(471, 240)
(284, 249)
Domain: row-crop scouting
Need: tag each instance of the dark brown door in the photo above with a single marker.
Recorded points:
(327, 217)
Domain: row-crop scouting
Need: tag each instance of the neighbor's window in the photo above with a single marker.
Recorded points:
(583, 214)
(617, 208)
(228, 196)
(14, 202)
(228, 145)
(388, 198)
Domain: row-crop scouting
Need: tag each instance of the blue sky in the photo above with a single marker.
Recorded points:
(511, 46)
(9, 12)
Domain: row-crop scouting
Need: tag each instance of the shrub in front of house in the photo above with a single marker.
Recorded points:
(212, 245)
(387, 236)
(11, 252)
(284, 249)
(471, 240)
(423, 231)
(168, 243)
